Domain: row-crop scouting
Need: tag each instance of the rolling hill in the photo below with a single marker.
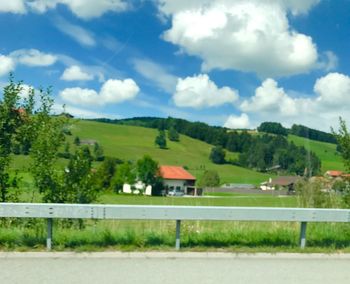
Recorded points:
(132, 142)
(331, 160)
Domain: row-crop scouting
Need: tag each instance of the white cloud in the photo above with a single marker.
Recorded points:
(75, 73)
(112, 92)
(169, 7)
(333, 90)
(12, 6)
(33, 57)
(239, 122)
(251, 36)
(156, 73)
(85, 9)
(329, 61)
(77, 33)
(82, 113)
(320, 110)
(199, 92)
(6, 65)
(270, 98)
(80, 96)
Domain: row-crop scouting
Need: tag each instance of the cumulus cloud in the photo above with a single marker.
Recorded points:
(75, 73)
(77, 33)
(320, 110)
(6, 65)
(156, 73)
(199, 92)
(13, 6)
(333, 90)
(239, 122)
(251, 36)
(33, 57)
(270, 98)
(85, 9)
(112, 92)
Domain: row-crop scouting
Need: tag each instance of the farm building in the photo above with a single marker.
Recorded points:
(333, 174)
(285, 182)
(177, 178)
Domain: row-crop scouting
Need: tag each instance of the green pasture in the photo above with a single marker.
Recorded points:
(331, 160)
(132, 142)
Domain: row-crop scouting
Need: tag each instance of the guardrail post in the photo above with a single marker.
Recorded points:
(303, 235)
(49, 234)
(178, 227)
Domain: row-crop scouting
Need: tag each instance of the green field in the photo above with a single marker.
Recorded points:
(331, 160)
(132, 142)
(229, 200)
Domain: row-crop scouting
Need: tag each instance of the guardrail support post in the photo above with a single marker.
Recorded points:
(303, 235)
(49, 234)
(178, 227)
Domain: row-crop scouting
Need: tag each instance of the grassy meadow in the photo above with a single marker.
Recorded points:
(331, 160)
(132, 142)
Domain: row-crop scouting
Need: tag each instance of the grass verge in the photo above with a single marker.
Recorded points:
(195, 236)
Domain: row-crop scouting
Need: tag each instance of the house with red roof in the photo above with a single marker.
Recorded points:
(177, 178)
(333, 174)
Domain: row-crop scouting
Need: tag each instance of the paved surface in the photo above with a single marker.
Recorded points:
(165, 268)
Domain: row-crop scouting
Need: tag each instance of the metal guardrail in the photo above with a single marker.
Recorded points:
(51, 211)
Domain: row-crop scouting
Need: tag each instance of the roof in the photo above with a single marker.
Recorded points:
(284, 180)
(175, 172)
(334, 173)
(346, 175)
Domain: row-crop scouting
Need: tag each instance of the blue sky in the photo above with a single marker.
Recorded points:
(231, 63)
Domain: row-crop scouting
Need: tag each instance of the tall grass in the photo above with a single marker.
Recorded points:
(195, 235)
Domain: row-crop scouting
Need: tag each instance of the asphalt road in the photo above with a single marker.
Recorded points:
(219, 268)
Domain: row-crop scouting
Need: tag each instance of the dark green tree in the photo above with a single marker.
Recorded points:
(98, 152)
(173, 135)
(79, 184)
(12, 121)
(343, 139)
(217, 155)
(125, 173)
(273, 127)
(210, 178)
(147, 170)
(160, 140)
(105, 172)
(77, 141)
(48, 139)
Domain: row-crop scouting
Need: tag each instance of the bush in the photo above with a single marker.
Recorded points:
(209, 179)
(314, 195)
(217, 155)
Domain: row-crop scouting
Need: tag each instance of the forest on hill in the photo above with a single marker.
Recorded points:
(258, 152)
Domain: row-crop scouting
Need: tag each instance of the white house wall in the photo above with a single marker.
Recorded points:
(174, 183)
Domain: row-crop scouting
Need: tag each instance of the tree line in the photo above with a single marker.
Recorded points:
(298, 130)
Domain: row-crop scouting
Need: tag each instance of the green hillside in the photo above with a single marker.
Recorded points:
(331, 160)
(132, 142)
